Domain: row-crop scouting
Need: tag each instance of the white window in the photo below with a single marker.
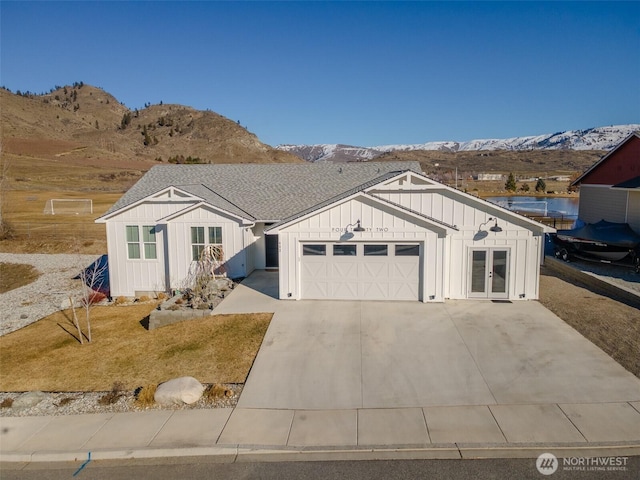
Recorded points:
(149, 241)
(136, 245)
(199, 242)
(215, 235)
(133, 242)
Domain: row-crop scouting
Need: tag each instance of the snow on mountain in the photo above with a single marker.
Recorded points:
(331, 152)
(600, 138)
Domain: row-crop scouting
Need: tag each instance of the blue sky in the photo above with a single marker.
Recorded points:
(360, 73)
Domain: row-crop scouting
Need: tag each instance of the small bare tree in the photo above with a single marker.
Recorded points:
(91, 278)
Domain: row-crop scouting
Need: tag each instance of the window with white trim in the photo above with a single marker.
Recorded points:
(215, 239)
(137, 245)
(199, 242)
(149, 242)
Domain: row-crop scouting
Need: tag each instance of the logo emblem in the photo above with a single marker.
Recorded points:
(547, 464)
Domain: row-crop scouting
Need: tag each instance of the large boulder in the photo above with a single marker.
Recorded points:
(28, 400)
(179, 391)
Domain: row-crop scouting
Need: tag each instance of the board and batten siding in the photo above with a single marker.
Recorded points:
(128, 276)
(525, 248)
(600, 202)
(234, 238)
(382, 224)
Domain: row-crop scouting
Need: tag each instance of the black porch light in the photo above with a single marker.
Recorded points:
(496, 228)
(358, 227)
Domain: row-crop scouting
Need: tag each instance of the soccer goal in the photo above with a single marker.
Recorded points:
(68, 206)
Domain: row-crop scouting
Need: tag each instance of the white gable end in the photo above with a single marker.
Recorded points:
(405, 181)
(173, 194)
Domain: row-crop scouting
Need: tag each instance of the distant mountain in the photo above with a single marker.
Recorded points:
(600, 138)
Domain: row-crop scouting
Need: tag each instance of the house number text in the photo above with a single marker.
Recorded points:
(367, 229)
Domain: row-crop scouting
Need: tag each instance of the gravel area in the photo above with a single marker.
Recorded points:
(75, 403)
(25, 305)
(623, 277)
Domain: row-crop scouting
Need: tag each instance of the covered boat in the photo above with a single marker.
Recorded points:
(605, 240)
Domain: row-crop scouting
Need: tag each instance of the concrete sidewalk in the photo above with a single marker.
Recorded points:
(479, 431)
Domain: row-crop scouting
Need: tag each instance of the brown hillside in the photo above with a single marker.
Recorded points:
(73, 143)
(85, 125)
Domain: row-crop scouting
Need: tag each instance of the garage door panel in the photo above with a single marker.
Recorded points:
(403, 291)
(316, 288)
(343, 269)
(373, 270)
(343, 290)
(370, 277)
(374, 291)
(314, 270)
(403, 271)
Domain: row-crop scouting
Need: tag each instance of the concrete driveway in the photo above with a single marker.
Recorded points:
(320, 355)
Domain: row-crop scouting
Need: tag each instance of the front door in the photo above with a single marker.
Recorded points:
(489, 273)
(271, 251)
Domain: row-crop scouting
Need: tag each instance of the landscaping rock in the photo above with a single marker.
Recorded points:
(28, 400)
(179, 391)
(222, 284)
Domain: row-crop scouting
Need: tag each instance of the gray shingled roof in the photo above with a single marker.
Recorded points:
(266, 192)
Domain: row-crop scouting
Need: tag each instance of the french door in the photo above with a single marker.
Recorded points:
(489, 273)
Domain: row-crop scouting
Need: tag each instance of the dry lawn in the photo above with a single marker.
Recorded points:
(611, 325)
(47, 356)
(16, 275)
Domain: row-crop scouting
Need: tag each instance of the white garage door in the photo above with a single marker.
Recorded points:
(362, 271)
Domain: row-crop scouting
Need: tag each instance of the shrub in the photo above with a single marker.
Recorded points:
(113, 396)
(145, 298)
(216, 391)
(120, 300)
(95, 298)
(145, 395)
(65, 401)
(161, 296)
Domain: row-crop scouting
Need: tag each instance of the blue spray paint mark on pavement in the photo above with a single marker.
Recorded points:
(83, 465)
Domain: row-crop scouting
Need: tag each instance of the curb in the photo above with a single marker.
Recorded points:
(249, 454)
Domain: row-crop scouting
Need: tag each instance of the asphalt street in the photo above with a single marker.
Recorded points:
(205, 468)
